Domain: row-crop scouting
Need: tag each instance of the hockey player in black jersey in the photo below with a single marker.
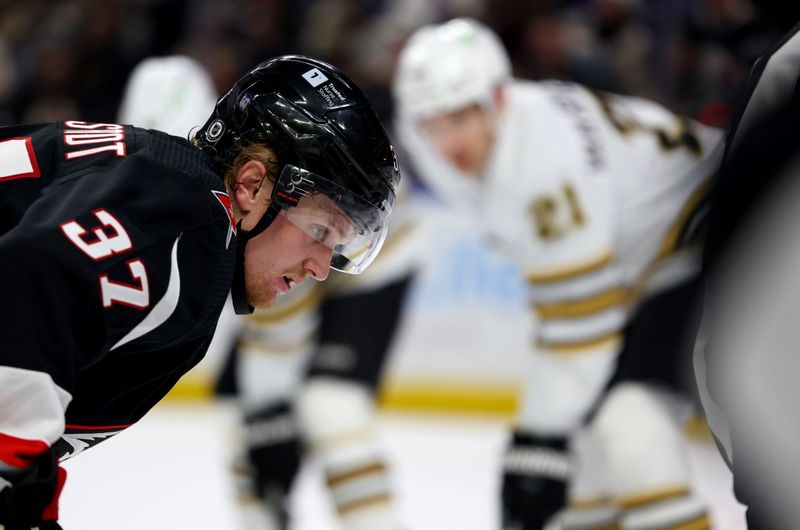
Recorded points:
(118, 247)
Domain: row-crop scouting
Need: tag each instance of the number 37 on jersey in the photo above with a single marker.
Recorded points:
(107, 239)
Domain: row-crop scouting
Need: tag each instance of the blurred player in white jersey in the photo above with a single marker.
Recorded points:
(323, 350)
(599, 198)
(172, 94)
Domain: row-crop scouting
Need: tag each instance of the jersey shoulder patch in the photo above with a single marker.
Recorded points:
(225, 201)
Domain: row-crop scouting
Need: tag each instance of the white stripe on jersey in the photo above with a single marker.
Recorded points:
(32, 405)
(164, 308)
(577, 288)
(569, 331)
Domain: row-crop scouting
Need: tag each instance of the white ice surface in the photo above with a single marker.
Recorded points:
(170, 471)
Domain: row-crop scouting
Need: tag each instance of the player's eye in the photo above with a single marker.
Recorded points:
(319, 233)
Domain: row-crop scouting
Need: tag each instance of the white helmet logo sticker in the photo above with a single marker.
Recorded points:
(215, 130)
(394, 158)
(314, 77)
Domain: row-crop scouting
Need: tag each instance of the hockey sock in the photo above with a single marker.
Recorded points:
(535, 474)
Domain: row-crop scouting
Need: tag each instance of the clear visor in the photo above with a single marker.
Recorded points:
(353, 229)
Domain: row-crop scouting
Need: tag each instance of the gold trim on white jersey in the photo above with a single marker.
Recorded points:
(570, 271)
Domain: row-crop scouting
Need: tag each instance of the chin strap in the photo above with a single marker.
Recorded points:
(238, 289)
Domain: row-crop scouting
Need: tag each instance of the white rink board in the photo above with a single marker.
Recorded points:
(467, 322)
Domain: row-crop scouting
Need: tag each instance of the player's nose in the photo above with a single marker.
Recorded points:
(318, 264)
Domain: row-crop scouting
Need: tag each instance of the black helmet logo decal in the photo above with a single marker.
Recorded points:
(315, 77)
(215, 131)
(294, 183)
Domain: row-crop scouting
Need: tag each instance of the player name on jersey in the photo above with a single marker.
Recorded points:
(101, 137)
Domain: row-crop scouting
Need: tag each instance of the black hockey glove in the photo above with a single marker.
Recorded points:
(23, 503)
(535, 475)
(274, 453)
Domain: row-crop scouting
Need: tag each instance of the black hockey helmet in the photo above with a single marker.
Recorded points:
(327, 137)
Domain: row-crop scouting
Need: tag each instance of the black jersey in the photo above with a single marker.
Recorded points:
(117, 252)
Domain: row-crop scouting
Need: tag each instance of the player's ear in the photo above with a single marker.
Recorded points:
(249, 180)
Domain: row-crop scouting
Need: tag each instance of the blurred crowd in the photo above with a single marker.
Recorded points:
(71, 58)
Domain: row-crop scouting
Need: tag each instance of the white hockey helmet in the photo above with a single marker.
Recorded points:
(449, 66)
(172, 94)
